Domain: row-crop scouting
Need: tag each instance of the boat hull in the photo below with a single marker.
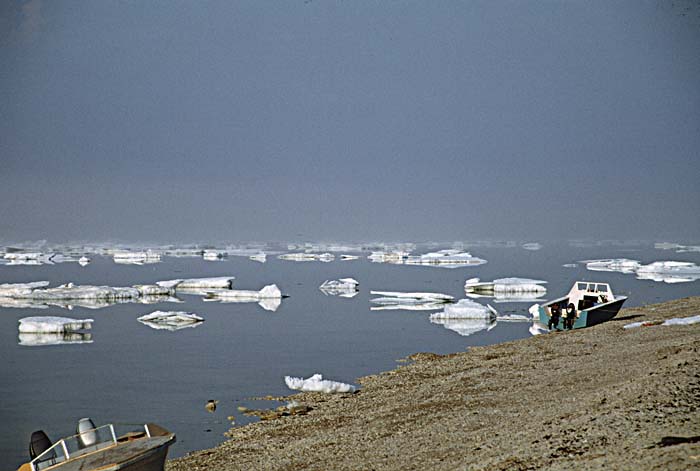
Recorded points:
(588, 317)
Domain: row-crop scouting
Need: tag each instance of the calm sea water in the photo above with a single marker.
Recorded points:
(132, 373)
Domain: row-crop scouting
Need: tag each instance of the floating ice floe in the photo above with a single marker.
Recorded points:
(136, 258)
(269, 297)
(197, 286)
(674, 321)
(448, 258)
(258, 257)
(344, 287)
(532, 246)
(31, 339)
(570, 265)
(316, 383)
(669, 272)
(506, 289)
(213, 255)
(679, 248)
(416, 301)
(622, 265)
(307, 257)
(83, 261)
(53, 324)
(465, 309)
(170, 320)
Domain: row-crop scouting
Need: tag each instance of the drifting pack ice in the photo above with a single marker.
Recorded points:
(170, 320)
(197, 286)
(411, 301)
(622, 265)
(344, 287)
(316, 383)
(506, 289)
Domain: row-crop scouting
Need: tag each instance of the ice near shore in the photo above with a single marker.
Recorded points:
(316, 383)
(673, 321)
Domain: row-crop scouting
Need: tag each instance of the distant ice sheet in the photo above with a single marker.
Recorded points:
(662, 271)
(316, 383)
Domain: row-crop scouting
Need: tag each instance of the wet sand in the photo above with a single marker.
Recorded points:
(597, 398)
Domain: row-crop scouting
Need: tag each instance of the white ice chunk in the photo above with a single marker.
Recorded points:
(259, 257)
(170, 320)
(465, 309)
(622, 265)
(510, 287)
(267, 292)
(213, 255)
(343, 286)
(413, 295)
(537, 329)
(42, 324)
(83, 261)
(532, 246)
(221, 282)
(535, 311)
(316, 383)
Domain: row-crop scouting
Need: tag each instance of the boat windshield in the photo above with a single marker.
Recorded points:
(77, 445)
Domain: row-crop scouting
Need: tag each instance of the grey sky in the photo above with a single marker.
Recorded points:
(349, 120)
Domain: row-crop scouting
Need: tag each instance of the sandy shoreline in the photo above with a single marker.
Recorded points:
(597, 398)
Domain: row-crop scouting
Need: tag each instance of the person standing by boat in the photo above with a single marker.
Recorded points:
(570, 316)
(555, 312)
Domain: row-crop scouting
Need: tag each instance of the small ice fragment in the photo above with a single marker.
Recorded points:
(532, 246)
(83, 261)
(535, 311)
(316, 383)
(339, 287)
(44, 324)
(170, 320)
(682, 320)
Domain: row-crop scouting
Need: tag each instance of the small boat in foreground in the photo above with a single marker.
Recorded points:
(142, 448)
(589, 303)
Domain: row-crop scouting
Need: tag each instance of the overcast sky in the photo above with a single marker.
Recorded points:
(349, 120)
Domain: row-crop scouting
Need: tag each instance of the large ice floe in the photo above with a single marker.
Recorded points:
(170, 320)
(506, 289)
(269, 297)
(343, 287)
(409, 301)
(316, 383)
(466, 317)
(448, 258)
(197, 286)
(622, 265)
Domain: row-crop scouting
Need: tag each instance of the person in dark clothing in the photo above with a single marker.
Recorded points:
(570, 316)
(555, 312)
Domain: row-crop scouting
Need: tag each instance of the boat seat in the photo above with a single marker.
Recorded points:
(39, 443)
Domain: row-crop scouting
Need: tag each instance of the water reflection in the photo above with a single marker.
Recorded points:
(53, 338)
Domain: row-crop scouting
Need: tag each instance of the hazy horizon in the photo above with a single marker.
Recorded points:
(349, 121)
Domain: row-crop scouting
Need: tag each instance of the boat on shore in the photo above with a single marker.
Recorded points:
(589, 303)
(141, 448)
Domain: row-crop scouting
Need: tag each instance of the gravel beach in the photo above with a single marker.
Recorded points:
(598, 398)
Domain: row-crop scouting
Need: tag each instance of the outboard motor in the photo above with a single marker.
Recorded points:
(38, 443)
(86, 431)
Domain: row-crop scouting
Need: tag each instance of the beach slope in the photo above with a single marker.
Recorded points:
(597, 398)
